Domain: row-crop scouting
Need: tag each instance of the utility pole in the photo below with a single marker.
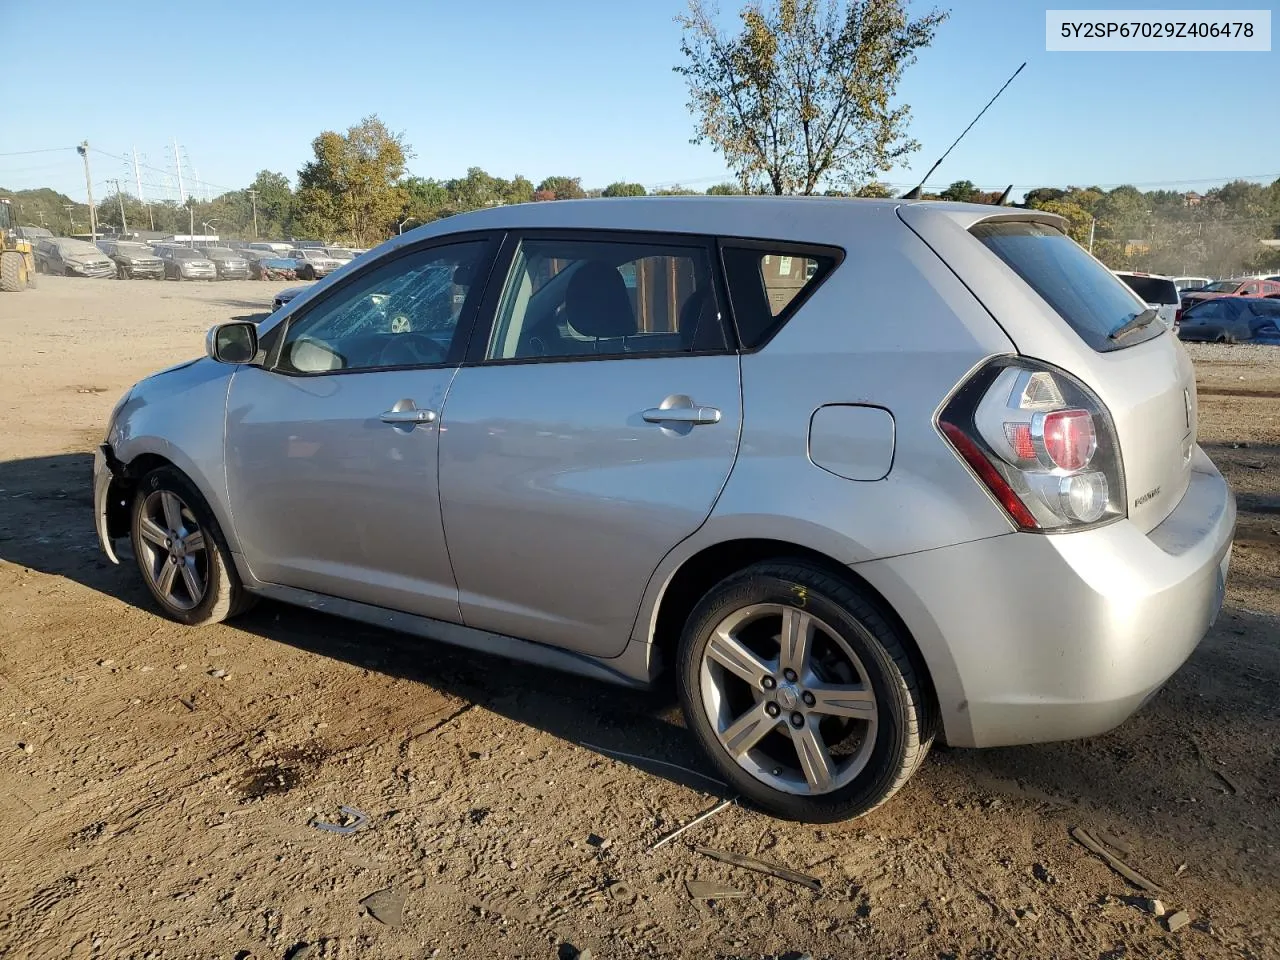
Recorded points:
(182, 193)
(72, 220)
(124, 224)
(1093, 223)
(191, 209)
(83, 150)
(253, 198)
(137, 177)
(42, 221)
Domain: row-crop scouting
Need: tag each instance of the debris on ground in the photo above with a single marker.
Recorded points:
(1153, 906)
(709, 890)
(386, 906)
(760, 866)
(1085, 839)
(299, 951)
(567, 951)
(352, 820)
(705, 815)
(1176, 921)
(218, 673)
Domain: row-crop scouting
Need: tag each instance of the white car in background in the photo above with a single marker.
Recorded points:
(1157, 292)
(1191, 283)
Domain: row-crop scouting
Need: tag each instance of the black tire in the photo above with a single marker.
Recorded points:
(11, 270)
(906, 716)
(224, 595)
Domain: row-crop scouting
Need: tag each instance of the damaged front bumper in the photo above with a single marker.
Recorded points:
(106, 470)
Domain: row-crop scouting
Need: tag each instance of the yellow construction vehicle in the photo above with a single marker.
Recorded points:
(17, 262)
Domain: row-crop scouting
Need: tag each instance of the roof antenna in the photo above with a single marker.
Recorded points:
(1004, 197)
(917, 191)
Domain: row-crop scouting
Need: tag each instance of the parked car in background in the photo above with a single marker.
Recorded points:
(62, 256)
(229, 263)
(1186, 284)
(268, 265)
(1232, 320)
(345, 254)
(184, 263)
(133, 260)
(32, 234)
(271, 246)
(858, 475)
(314, 262)
(1237, 287)
(1155, 291)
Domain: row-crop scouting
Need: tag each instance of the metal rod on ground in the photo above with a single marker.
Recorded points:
(693, 823)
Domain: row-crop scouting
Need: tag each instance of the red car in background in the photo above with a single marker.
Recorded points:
(1242, 287)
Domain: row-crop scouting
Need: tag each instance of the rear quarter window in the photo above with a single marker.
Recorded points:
(769, 283)
(1093, 302)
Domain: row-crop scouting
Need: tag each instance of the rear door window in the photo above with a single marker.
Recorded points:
(1093, 302)
(1152, 289)
(768, 283)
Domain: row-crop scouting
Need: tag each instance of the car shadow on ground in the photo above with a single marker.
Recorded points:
(46, 524)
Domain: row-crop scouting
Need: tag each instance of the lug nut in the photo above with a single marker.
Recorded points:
(771, 709)
(769, 683)
(797, 720)
(808, 699)
(790, 675)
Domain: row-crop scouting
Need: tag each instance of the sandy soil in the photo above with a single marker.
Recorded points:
(151, 806)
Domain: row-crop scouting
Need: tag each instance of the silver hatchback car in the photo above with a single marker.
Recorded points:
(861, 473)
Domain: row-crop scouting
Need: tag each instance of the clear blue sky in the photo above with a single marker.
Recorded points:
(582, 88)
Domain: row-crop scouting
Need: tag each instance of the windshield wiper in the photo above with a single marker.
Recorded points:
(1133, 324)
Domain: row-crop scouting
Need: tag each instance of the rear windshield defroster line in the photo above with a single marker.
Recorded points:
(1092, 301)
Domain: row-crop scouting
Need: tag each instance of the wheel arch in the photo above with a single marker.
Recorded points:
(701, 571)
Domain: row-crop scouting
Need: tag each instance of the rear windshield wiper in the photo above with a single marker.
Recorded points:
(1133, 324)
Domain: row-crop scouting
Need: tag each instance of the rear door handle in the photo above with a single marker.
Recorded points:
(678, 408)
(407, 413)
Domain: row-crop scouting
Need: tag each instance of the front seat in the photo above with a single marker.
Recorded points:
(596, 303)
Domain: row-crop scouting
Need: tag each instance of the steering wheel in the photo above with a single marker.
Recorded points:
(411, 349)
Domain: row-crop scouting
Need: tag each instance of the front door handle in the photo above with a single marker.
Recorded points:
(678, 408)
(407, 413)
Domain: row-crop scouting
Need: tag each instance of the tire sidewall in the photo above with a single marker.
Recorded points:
(892, 697)
(220, 594)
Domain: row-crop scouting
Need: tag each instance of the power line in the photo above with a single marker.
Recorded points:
(23, 153)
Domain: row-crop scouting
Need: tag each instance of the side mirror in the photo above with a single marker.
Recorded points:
(232, 342)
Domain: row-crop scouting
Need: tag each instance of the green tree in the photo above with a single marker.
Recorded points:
(805, 92)
(354, 188)
(562, 188)
(724, 190)
(621, 189)
(1078, 219)
(874, 189)
(675, 190)
(963, 191)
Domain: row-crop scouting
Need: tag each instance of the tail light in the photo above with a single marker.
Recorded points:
(1041, 442)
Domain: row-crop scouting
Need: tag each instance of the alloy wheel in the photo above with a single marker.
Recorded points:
(175, 550)
(788, 699)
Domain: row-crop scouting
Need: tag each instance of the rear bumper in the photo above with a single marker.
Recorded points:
(1031, 638)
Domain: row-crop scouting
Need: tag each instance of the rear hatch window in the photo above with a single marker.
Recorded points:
(1152, 289)
(1096, 305)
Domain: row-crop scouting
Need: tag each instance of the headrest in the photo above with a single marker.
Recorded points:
(596, 302)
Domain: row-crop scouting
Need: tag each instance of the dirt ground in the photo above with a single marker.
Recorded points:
(158, 784)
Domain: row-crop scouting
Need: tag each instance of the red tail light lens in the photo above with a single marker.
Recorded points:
(1041, 442)
(1069, 438)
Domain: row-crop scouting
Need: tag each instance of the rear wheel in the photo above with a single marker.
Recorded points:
(802, 694)
(13, 270)
(180, 551)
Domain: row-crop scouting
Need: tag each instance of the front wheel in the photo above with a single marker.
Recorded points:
(802, 694)
(181, 553)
